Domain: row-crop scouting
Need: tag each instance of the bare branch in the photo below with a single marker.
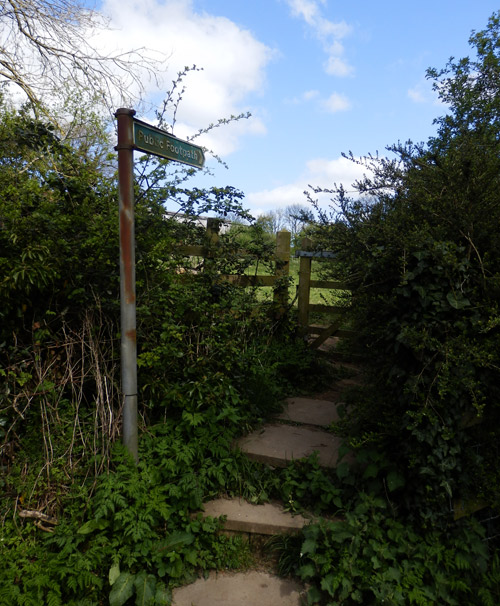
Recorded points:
(46, 46)
(37, 515)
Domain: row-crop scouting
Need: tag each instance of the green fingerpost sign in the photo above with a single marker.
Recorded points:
(160, 143)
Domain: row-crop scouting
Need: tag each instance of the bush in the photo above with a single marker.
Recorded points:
(419, 246)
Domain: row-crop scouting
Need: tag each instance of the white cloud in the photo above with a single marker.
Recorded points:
(336, 103)
(310, 94)
(277, 197)
(307, 9)
(324, 173)
(319, 172)
(225, 140)
(422, 92)
(335, 66)
(417, 95)
(329, 33)
(306, 97)
(333, 104)
(232, 59)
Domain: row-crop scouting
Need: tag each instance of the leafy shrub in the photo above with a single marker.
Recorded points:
(419, 246)
(367, 555)
(370, 558)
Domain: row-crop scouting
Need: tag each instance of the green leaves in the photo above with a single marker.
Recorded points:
(148, 592)
(308, 546)
(93, 525)
(372, 558)
(114, 573)
(457, 300)
(145, 585)
(343, 470)
(174, 541)
(395, 480)
(122, 589)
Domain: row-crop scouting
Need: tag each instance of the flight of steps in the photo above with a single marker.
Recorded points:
(297, 432)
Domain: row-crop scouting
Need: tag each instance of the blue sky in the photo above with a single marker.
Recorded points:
(320, 77)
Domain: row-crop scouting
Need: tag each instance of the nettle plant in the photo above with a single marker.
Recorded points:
(365, 550)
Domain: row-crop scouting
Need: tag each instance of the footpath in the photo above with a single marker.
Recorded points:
(297, 432)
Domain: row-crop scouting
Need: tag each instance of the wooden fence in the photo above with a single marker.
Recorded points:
(280, 283)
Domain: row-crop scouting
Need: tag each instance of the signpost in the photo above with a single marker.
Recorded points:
(136, 135)
(160, 143)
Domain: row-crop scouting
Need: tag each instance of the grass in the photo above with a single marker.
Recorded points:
(318, 296)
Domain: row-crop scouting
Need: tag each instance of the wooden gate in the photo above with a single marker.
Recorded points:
(279, 280)
(280, 283)
(305, 307)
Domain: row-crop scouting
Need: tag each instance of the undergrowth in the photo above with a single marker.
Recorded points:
(361, 548)
(138, 536)
(371, 558)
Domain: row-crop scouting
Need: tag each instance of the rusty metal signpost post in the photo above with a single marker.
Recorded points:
(136, 135)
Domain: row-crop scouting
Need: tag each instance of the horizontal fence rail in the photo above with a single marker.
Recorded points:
(279, 281)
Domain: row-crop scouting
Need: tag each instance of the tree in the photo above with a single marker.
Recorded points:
(45, 49)
(272, 221)
(297, 217)
(292, 218)
(420, 246)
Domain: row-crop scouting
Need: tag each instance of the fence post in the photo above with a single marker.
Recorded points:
(213, 227)
(304, 288)
(212, 237)
(282, 271)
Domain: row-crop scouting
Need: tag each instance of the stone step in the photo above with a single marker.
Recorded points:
(278, 444)
(275, 444)
(266, 519)
(338, 391)
(330, 344)
(310, 411)
(251, 588)
(345, 365)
